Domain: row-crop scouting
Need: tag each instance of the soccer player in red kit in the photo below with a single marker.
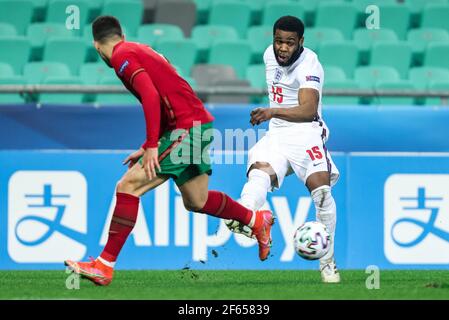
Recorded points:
(172, 114)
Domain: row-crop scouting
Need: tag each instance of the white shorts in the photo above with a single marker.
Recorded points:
(302, 151)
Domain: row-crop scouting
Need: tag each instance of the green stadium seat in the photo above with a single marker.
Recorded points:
(438, 85)
(129, 13)
(202, 11)
(437, 54)
(394, 85)
(6, 70)
(114, 98)
(37, 72)
(259, 38)
(346, 84)
(255, 74)
(275, 9)
(395, 17)
(397, 55)
(419, 39)
(341, 16)
(233, 14)
(7, 98)
(92, 73)
(7, 30)
(235, 53)
(314, 37)
(365, 38)
(205, 36)
(181, 53)
(18, 53)
(38, 33)
(152, 33)
(61, 98)
(363, 13)
(340, 53)
(257, 7)
(423, 76)
(73, 53)
(368, 77)
(334, 74)
(436, 16)
(56, 12)
(18, 13)
(419, 5)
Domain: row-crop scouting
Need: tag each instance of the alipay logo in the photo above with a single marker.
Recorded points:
(47, 216)
(416, 225)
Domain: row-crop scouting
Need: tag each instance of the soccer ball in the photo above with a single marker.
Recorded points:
(311, 240)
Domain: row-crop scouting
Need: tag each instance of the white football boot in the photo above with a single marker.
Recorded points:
(329, 271)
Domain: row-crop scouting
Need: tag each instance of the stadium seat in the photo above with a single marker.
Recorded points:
(61, 98)
(18, 13)
(334, 74)
(235, 53)
(275, 9)
(255, 74)
(181, 53)
(394, 85)
(437, 54)
(257, 7)
(333, 100)
(114, 98)
(7, 30)
(314, 37)
(56, 12)
(202, 11)
(367, 77)
(38, 33)
(399, 56)
(423, 76)
(365, 38)
(205, 36)
(18, 52)
(6, 70)
(341, 16)
(340, 53)
(227, 99)
(436, 16)
(164, 14)
(11, 97)
(419, 39)
(149, 7)
(37, 72)
(233, 14)
(395, 17)
(151, 33)
(364, 11)
(92, 73)
(73, 55)
(39, 10)
(259, 38)
(438, 85)
(129, 13)
(209, 74)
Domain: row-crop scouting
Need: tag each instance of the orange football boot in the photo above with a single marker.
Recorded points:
(95, 271)
(262, 231)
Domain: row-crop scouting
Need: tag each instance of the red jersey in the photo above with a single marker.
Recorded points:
(168, 101)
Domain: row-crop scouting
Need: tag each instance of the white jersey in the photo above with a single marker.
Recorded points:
(284, 83)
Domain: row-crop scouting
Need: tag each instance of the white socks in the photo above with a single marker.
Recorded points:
(254, 192)
(326, 213)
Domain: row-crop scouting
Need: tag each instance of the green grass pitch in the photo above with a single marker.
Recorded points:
(224, 285)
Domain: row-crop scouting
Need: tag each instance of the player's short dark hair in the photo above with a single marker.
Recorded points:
(289, 23)
(105, 27)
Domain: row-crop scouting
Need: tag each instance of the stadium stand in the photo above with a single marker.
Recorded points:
(413, 38)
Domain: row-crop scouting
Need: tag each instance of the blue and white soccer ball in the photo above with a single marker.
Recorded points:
(312, 240)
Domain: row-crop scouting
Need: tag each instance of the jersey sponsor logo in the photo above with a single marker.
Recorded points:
(47, 210)
(416, 228)
(123, 67)
(278, 75)
(313, 78)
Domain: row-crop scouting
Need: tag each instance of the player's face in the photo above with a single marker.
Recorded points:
(101, 54)
(286, 43)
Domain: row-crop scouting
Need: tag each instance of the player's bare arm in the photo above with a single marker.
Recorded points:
(304, 112)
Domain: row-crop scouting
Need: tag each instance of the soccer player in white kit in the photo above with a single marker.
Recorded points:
(295, 141)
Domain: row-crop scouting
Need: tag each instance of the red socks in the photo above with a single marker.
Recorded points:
(222, 206)
(123, 220)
